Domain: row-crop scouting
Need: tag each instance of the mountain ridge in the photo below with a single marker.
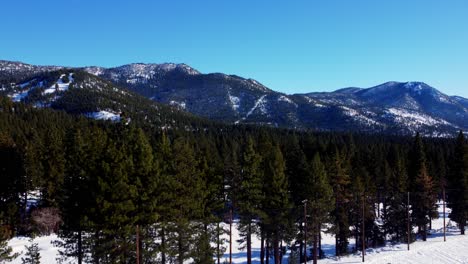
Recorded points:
(393, 107)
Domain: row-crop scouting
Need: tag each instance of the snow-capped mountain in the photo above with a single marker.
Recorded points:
(393, 107)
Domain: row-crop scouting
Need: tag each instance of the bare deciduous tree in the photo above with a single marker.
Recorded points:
(46, 219)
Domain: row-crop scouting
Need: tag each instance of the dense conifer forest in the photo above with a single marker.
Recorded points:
(130, 192)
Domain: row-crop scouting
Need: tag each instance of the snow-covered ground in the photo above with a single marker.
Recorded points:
(60, 86)
(104, 115)
(434, 250)
(48, 252)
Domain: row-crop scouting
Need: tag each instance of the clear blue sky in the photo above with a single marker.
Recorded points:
(290, 46)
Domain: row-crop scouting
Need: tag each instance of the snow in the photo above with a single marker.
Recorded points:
(61, 86)
(260, 104)
(286, 99)
(16, 97)
(181, 105)
(414, 118)
(48, 251)
(434, 250)
(358, 116)
(235, 102)
(104, 115)
(24, 84)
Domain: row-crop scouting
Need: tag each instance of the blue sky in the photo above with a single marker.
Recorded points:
(290, 46)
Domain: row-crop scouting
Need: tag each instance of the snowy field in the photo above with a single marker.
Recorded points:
(434, 250)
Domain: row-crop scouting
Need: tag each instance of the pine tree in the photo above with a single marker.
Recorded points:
(84, 149)
(143, 175)
(458, 183)
(187, 189)
(320, 200)
(340, 180)
(112, 214)
(423, 191)
(297, 172)
(395, 220)
(11, 185)
(165, 197)
(276, 205)
(5, 250)
(33, 255)
(423, 201)
(54, 168)
(249, 195)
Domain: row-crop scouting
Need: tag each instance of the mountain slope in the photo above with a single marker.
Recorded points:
(392, 107)
(78, 92)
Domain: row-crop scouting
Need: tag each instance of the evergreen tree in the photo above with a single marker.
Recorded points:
(340, 180)
(458, 184)
(249, 195)
(143, 175)
(54, 168)
(423, 199)
(187, 189)
(395, 220)
(320, 200)
(114, 208)
(32, 254)
(5, 250)
(276, 205)
(11, 185)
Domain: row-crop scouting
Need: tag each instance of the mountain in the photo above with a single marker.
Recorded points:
(392, 107)
(81, 93)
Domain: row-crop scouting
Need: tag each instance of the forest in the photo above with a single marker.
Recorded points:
(129, 192)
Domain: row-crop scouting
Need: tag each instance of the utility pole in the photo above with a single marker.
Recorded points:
(305, 230)
(408, 221)
(230, 236)
(443, 206)
(363, 229)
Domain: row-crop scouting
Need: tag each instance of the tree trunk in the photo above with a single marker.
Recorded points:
(281, 252)
(262, 246)
(276, 249)
(80, 248)
(163, 246)
(320, 243)
(425, 232)
(337, 250)
(249, 245)
(315, 243)
(267, 251)
(462, 228)
(181, 248)
(96, 245)
(137, 244)
(301, 245)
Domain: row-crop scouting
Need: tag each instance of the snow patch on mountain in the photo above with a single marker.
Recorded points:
(413, 118)
(181, 105)
(286, 99)
(104, 115)
(20, 95)
(235, 102)
(358, 116)
(260, 104)
(60, 86)
(17, 97)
